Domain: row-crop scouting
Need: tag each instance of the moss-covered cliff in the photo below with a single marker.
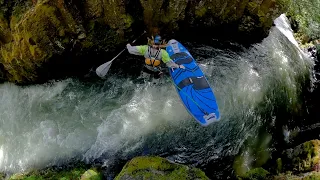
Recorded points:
(40, 38)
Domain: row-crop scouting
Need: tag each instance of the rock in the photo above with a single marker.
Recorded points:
(303, 158)
(82, 36)
(255, 174)
(305, 17)
(91, 174)
(279, 165)
(34, 40)
(2, 176)
(37, 38)
(158, 168)
(17, 176)
(305, 176)
(50, 174)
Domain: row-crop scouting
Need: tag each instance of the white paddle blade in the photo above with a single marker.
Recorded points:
(103, 69)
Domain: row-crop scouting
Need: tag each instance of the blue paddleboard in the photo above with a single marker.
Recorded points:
(192, 85)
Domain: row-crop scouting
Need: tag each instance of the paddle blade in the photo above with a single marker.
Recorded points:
(103, 69)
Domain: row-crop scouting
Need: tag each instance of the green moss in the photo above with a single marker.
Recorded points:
(279, 165)
(18, 12)
(127, 21)
(306, 176)
(37, 36)
(304, 158)
(158, 168)
(92, 174)
(115, 15)
(50, 174)
(307, 15)
(255, 174)
(201, 12)
(2, 176)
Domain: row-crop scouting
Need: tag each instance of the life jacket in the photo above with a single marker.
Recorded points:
(153, 60)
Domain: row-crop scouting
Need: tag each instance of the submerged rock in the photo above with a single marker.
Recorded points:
(158, 168)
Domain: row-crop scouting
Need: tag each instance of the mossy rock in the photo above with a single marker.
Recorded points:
(92, 174)
(304, 157)
(50, 174)
(279, 165)
(158, 168)
(2, 176)
(37, 36)
(305, 176)
(255, 174)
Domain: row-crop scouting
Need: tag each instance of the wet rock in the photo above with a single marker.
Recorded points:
(91, 174)
(2, 176)
(255, 174)
(304, 176)
(51, 174)
(158, 168)
(37, 38)
(82, 36)
(303, 158)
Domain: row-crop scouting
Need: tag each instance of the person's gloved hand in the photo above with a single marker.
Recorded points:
(182, 66)
(128, 46)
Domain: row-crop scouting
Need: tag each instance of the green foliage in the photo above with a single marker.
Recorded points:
(307, 14)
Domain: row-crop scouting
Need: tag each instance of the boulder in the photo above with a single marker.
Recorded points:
(303, 158)
(255, 174)
(158, 168)
(91, 174)
(303, 176)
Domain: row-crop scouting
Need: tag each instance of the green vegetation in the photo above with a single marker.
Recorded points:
(158, 168)
(307, 14)
(50, 175)
(255, 174)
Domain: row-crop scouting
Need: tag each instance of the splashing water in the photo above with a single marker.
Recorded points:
(49, 124)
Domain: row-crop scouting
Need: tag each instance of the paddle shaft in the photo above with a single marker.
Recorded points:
(126, 48)
(103, 69)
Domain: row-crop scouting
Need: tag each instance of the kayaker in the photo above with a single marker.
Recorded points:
(153, 56)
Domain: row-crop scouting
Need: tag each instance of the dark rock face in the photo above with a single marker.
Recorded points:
(42, 39)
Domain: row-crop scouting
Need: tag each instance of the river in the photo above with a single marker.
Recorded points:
(118, 118)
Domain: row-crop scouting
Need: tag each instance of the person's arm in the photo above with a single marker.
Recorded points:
(167, 60)
(137, 50)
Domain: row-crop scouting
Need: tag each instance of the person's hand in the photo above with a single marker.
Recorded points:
(182, 66)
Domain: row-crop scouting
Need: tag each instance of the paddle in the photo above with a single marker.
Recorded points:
(103, 69)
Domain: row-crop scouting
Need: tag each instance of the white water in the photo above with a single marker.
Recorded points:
(49, 124)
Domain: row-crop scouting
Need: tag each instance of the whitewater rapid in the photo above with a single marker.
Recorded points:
(50, 124)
